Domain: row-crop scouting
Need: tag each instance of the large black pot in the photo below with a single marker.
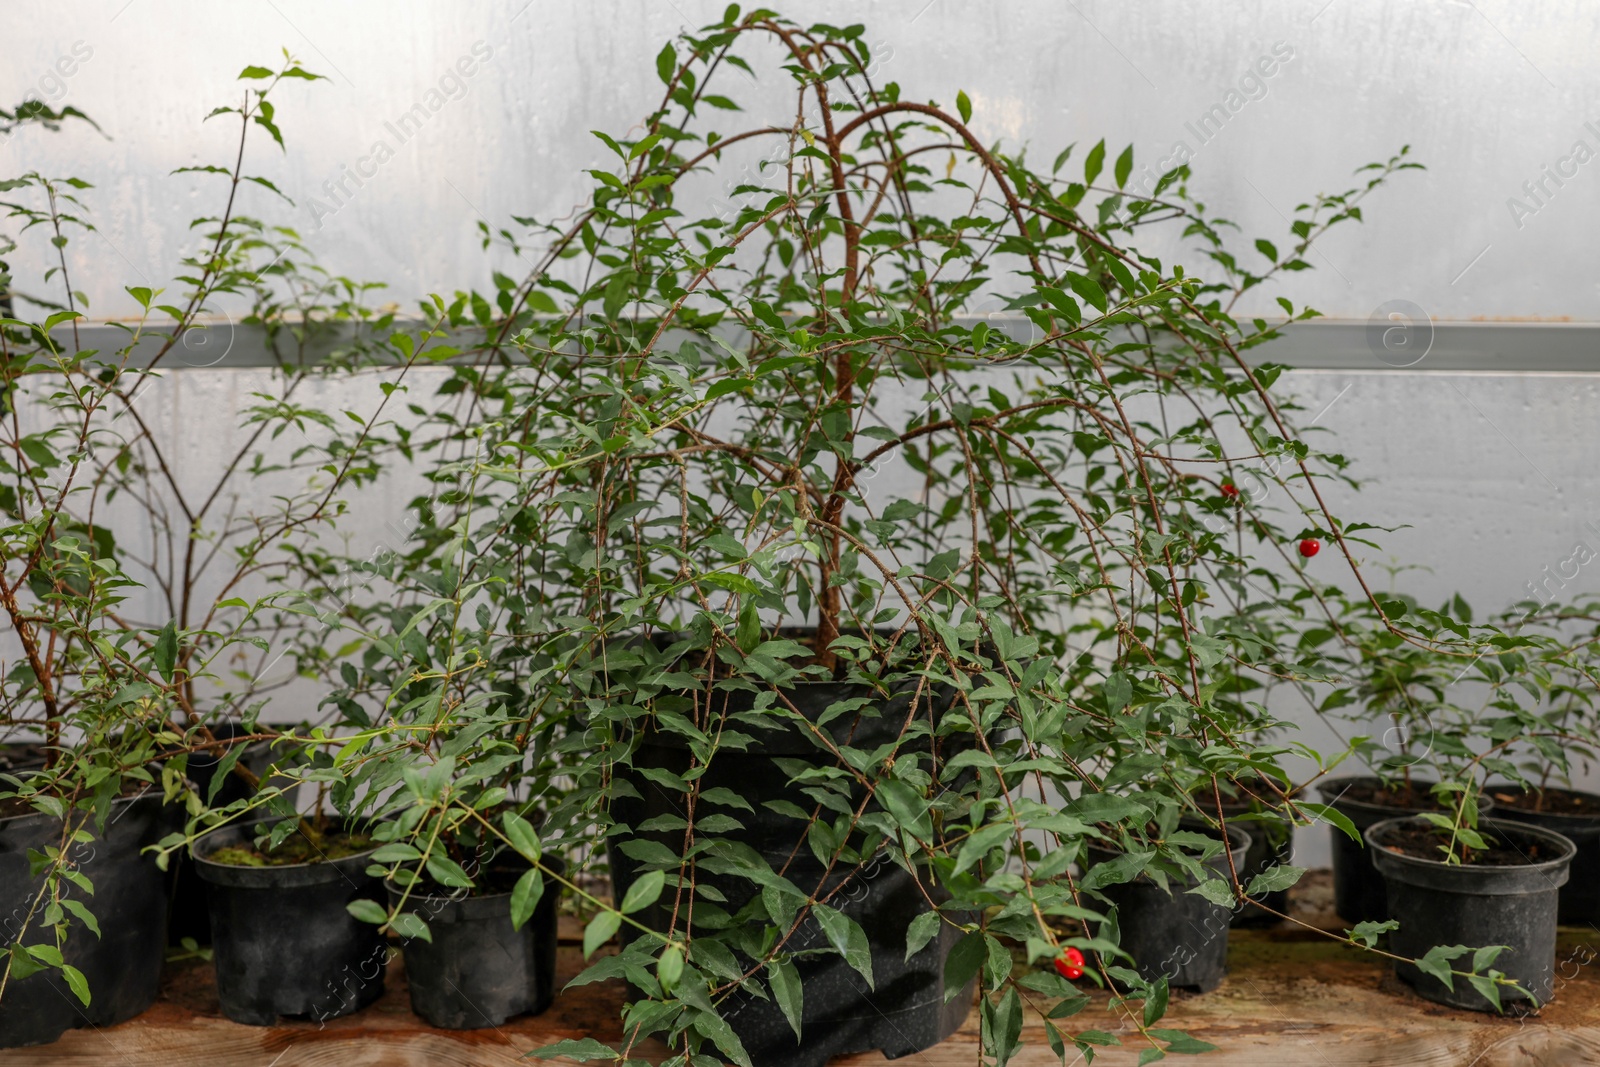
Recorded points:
(123, 965)
(477, 970)
(1443, 904)
(187, 913)
(285, 943)
(1358, 892)
(906, 1011)
(1580, 897)
(1171, 933)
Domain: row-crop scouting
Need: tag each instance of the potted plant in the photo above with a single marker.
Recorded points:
(1455, 882)
(471, 889)
(839, 586)
(1539, 791)
(1170, 899)
(134, 590)
(1401, 688)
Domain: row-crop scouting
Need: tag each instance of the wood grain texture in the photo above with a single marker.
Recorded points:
(1290, 1000)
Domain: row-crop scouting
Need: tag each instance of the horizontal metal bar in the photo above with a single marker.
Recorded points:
(1382, 344)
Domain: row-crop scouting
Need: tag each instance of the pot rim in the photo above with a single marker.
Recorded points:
(1428, 872)
(1562, 816)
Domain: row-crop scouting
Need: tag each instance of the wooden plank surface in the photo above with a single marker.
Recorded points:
(1289, 1000)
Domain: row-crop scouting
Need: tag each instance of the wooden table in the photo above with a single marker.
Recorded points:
(1290, 1000)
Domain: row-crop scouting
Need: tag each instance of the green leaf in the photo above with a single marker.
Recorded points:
(84, 915)
(254, 72)
(643, 892)
(1437, 962)
(80, 985)
(921, 931)
(1482, 958)
(1093, 163)
(448, 872)
(1487, 987)
(1333, 818)
(713, 1026)
(909, 807)
(1368, 932)
(964, 106)
(669, 968)
(409, 925)
(962, 964)
(166, 651)
(582, 1050)
(1274, 879)
(1216, 890)
(1155, 1005)
(368, 911)
(666, 63)
(1124, 166)
(522, 836)
(600, 930)
(525, 897)
(847, 938)
(786, 988)
(1118, 691)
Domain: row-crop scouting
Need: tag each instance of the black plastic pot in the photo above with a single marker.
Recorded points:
(477, 971)
(906, 1012)
(1171, 933)
(123, 965)
(1358, 892)
(1580, 897)
(1441, 904)
(187, 914)
(284, 942)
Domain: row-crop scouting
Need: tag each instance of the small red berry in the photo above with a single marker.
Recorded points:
(1310, 547)
(1230, 490)
(1070, 964)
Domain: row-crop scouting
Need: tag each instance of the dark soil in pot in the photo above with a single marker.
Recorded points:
(187, 914)
(1505, 897)
(123, 965)
(478, 971)
(1171, 933)
(906, 1012)
(285, 944)
(1358, 889)
(1574, 815)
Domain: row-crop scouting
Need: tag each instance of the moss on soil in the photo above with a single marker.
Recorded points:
(295, 850)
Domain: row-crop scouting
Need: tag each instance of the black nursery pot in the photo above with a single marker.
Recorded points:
(284, 942)
(1170, 933)
(1442, 904)
(123, 964)
(187, 914)
(1358, 890)
(906, 1011)
(1580, 897)
(477, 971)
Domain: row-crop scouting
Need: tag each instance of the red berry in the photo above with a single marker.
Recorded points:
(1230, 490)
(1070, 963)
(1310, 547)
